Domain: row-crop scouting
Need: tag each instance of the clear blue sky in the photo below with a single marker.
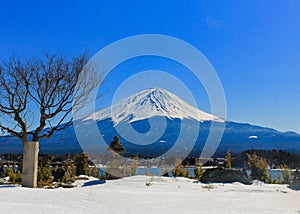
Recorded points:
(254, 46)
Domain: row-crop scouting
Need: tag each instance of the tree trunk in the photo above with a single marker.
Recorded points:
(30, 164)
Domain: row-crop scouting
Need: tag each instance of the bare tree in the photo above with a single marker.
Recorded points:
(38, 93)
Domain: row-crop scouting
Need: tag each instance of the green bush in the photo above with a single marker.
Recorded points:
(44, 176)
(135, 165)
(228, 159)
(198, 171)
(95, 172)
(82, 164)
(286, 174)
(258, 168)
(186, 173)
(15, 176)
(69, 168)
(178, 171)
(270, 180)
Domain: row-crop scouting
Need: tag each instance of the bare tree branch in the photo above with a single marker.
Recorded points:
(50, 84)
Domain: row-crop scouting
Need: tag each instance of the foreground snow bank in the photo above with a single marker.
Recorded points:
(143, 194)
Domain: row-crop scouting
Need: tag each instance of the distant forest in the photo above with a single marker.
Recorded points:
(275, 158)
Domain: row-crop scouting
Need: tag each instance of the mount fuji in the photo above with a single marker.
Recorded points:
(160, 112)
(152, 103)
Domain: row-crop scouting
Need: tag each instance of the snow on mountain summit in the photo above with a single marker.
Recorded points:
(152, 102)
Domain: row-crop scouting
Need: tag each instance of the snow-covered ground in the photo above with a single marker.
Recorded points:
(163, 195)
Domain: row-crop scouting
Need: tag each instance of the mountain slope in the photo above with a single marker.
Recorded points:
(149, 103)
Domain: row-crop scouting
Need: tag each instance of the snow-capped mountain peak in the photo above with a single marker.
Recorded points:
(152, 102)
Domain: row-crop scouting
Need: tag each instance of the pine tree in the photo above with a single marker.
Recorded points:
(178, 170)
(69, 169)
(198, 171)
(135, 165)
(44, 175)
(82, 164)
(228, 159)
(95, 171)
(258, 168)
(286, 174)
(14, 175)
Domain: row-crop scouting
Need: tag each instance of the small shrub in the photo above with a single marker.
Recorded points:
(82, 164)
(270, 180)
(69, 169)
(178, 170)
(95, 172)
(258, 168)
(286, 174)
(15, 176)
(198, 171)
(44, 176)
(135, 165)
(228, 159)
(58, 174)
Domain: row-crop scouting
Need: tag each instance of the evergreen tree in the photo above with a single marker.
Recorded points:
(82, 164)
(14, 175)
(69, 169)
(258, 167)
(95, 172)
(178, 170)
(44, 175)
(228, 159)
(198, 171)
(286, 174)
(135, 165)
